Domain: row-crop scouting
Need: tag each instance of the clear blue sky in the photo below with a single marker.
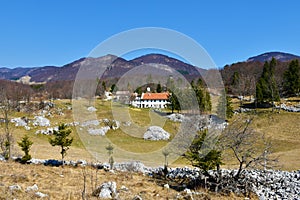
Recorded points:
(55, 32)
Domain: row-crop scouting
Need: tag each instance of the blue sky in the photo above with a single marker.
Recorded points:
(56, 32)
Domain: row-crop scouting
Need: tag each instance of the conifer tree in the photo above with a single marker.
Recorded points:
(266, 88)
(61, 139)
(25, 145)
(292, 79)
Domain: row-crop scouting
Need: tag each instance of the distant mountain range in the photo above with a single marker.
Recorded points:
(115, 70)
(279, 56)
(121, 66)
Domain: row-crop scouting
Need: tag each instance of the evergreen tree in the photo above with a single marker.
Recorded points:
(224, 108)
(158, 88)
(113, 88)
(202, 95)
(25, 145)
(61, 139)
(235, 79)
(266, 88)
(174, 102)
(292, 79)
(198, 155)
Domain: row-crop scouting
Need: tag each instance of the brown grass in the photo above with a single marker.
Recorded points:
(67, 183)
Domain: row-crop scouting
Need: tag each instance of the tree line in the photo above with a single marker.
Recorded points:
(267, 83)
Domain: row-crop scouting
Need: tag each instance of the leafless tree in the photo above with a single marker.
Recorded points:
(6, 139)
(249, 147)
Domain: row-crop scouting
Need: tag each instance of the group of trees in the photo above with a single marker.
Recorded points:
(266, 83)
(291, 82)
(61, 138)
(266, 87)
(182, 97)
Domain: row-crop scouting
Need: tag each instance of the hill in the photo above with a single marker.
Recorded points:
(279, 56)
(249, 71)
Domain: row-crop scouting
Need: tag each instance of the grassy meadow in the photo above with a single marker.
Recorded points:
(282, 129)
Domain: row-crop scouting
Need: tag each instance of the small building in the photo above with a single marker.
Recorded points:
(151, 100)
(123, 96)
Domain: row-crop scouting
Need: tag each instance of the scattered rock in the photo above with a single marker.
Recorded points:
(81, 163)
(41, 195)
(269, 184)
(18, 122)
(48, 131)
(156, 133)
(101, 131)
(41, 121)
(288, 108)
(15, 188)
(91, 109)
(128, 123)
(137, 197)
(133, 166)
(37, 161)
(124, 188)
(2, 158)
(32, 188)
(73, 124)
(90, 123)
(107, 190)
(166, 186)
(176, 117)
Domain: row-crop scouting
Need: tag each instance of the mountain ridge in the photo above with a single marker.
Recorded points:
(120, 66)
(279, 56)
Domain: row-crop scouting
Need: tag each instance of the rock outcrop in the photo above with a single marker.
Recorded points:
(156, 133)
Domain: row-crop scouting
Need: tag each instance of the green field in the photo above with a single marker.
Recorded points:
(282, 129)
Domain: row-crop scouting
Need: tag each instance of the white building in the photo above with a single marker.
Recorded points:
(151, 100)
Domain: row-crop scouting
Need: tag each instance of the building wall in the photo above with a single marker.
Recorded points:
(149, 103)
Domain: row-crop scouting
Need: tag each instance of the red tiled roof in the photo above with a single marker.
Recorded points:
(155, 96)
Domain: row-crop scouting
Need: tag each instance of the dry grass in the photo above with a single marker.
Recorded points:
(67, 183)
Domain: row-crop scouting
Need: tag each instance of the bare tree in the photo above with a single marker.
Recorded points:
(249, 147)
(6, 141)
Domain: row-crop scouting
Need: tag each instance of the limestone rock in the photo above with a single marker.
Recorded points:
(107, 190)
(41, 195)
(32, 188)
(15, 188)
(156, 133)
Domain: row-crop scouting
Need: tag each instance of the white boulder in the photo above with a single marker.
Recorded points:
(41, 195)
(41, 121)
(107, 190)
(131, 166)
(100, 131)
(176, 117)
(156, 133)
(90, 123)
(18, 122)
(15, 187)
(32, 188)
(48, 131)
(91, 109)
(1, 158)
